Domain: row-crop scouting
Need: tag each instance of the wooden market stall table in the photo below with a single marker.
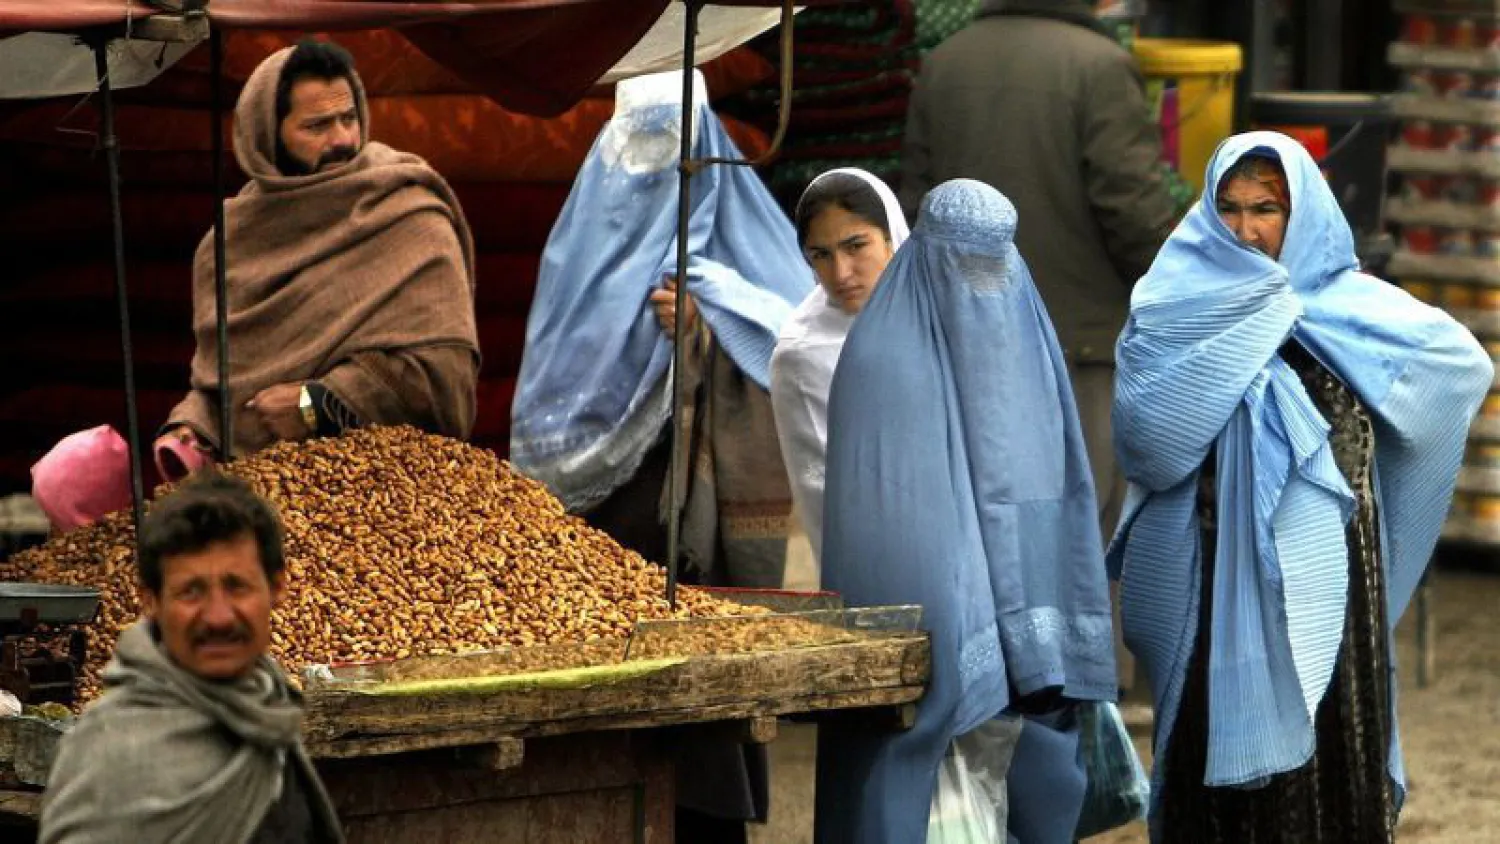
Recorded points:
(581, 755)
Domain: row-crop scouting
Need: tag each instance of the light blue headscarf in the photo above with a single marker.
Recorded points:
(957, 479)
(1198, 366)
(592, 395)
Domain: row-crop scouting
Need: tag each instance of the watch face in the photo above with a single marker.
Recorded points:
(305, 405)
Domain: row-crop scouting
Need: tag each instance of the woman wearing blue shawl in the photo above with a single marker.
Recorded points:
(1292, 430)
(957, 479)
(590, 417)
(593, 403)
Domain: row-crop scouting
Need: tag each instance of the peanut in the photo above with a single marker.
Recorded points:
(399, 544)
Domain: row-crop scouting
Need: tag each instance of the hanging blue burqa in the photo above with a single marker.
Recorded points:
(957, 479)
(1198, 369)
(592, 396)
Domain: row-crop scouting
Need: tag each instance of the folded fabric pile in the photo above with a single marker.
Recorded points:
(852, 76)
(938, 19)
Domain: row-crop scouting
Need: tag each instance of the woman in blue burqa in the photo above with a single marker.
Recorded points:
(957, 479)
(593, 399)
(593, 402)
(1291, 429)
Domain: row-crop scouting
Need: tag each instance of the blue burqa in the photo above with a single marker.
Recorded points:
(957, 479)
(592, 396)
(1198, 367)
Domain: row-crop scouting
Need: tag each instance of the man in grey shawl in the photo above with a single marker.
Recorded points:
(198, 736)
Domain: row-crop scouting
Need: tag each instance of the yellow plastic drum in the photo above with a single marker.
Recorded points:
(1461, 518)
(1487, 312)
(1484, 517)
(1191, 86)
(1460, 300)
(1485, 455)
(1491, 408)
(1485, 508)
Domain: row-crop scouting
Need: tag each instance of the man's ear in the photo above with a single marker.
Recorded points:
(149, 600)
(278, 587)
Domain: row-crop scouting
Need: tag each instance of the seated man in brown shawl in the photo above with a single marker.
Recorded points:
(350, 276)
(198, 737)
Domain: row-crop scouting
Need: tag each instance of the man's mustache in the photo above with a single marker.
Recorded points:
(236, 635)
(337, 155)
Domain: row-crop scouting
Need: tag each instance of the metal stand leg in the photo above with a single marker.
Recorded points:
(111, 145)
(221, 283)
(1426, 634)
(675, 492)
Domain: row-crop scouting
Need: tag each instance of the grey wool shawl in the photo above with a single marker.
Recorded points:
(166, 756)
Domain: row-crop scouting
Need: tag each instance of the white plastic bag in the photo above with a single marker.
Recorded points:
(969, 804)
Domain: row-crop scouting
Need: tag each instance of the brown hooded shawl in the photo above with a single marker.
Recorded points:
(360, 278)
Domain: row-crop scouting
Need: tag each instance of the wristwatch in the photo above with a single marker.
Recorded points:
(309, 413)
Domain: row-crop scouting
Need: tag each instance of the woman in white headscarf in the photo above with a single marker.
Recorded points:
(849, 225)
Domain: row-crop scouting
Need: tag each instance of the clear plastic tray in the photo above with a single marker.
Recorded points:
(778, 600)
(1403, 54)
(774, 632)
(1406, 264)
(1474, 112)
(1450, 8)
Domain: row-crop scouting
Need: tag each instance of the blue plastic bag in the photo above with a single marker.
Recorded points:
(1118, 790)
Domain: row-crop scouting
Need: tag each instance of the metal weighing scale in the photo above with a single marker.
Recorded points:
(41, 649)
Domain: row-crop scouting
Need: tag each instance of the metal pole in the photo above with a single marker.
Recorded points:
(684, 212)
(1322, 55)
(784, 111)
(111, 146)
(221, 285)
(1426, 633)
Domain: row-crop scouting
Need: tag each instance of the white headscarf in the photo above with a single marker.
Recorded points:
(802, 371)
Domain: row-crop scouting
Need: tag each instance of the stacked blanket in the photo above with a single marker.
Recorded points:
(852, 75)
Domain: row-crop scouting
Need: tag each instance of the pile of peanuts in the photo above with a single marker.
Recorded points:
(399, 544)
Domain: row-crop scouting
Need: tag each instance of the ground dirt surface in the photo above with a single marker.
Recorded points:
(1450, 731)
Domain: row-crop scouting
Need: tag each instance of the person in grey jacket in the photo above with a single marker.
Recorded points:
(1037, 99)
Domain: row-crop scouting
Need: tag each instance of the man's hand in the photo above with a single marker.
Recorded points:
(276, 406)
(664, 301)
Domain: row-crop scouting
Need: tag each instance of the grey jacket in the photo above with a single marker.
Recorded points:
(1036, 100)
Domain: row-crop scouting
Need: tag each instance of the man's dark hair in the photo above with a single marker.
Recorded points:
(846, 191)
(312, 59)
(208, 508)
